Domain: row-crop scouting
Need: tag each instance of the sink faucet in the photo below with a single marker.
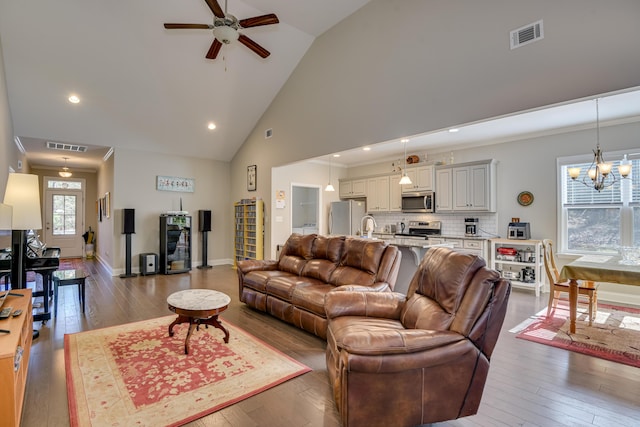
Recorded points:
(363, 226)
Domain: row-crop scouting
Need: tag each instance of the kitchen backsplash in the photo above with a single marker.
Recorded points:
(452, 224)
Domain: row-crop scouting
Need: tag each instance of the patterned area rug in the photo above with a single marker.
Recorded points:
(614, 335)
(135, 374)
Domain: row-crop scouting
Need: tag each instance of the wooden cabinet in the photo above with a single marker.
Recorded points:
(378, 194)
(352, 189)
(249, 230)
(421, 179)
(15, 348)
(519, 261)
(467, 187)
(395, 194)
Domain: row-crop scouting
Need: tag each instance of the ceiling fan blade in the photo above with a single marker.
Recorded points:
(193, 26)
(257, 21)
(253, 46)
(215, 8)
(214, 49)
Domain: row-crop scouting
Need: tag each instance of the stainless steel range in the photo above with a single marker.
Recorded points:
(422, 230)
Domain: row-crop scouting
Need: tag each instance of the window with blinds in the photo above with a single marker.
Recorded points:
(600, 221)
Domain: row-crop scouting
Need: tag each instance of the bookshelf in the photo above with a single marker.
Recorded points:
(249, 230)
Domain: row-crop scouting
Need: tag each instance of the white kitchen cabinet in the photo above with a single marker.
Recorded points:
(467, 187)
(478, 247)
(378, 194)
(421, 179)
(352, 188)
(395, 194)
(523, 265)
(443, 190)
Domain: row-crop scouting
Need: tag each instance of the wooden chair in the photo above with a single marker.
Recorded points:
(586, 288)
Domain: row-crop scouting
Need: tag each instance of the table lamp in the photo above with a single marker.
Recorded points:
(23, 195)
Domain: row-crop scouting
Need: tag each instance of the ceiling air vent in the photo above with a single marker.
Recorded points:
(66, 147)
(527, 34)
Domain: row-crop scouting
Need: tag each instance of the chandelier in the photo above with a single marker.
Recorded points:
(600, 174)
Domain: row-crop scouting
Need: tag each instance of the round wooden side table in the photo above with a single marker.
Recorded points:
(198, 307)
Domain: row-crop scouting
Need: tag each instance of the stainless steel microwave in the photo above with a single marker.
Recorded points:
(418, 202)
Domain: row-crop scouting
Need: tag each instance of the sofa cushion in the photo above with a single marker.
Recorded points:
(438, 287)
(258, 279)
(329, 248)
(359, 262)
(282, 286)
(310, 296)
(296, 252)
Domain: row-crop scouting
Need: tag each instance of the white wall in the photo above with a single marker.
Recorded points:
(135, 175)
(397, 68)
(308, 173)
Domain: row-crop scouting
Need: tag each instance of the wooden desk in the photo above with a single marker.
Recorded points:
(599, 268)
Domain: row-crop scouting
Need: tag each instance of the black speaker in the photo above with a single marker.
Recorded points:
(129, 221)
(204, 220)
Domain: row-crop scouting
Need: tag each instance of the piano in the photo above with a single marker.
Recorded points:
(44, 264)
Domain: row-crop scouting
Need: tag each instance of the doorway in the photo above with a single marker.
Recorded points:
(305, 209)
(64, 215)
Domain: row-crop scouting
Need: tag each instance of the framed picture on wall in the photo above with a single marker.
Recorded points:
(252, 171)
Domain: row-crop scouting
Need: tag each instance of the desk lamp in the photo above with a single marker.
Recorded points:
(23, 195)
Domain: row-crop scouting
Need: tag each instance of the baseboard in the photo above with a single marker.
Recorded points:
(136, 270)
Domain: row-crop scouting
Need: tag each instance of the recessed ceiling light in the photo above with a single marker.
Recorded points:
(211, 125)
(404, 140)
(336, 155)
(453, 130)
(74, 99)
(366, 148)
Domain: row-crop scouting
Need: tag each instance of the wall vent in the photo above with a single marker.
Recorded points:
(268, 133)
(66, 147)
(527, 34)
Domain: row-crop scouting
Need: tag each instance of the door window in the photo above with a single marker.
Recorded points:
(64, 214)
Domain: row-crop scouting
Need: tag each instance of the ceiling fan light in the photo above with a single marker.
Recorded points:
(225, 34)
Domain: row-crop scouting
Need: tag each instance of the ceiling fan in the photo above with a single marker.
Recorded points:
(226, 29)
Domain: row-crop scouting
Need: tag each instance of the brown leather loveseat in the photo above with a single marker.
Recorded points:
(396, 360)
(293, 288)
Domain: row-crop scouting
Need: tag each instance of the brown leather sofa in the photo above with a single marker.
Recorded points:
(402, 361)
(293, 288)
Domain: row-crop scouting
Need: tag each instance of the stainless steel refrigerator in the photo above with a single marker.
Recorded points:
(345, 217)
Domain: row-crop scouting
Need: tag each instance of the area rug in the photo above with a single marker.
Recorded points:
(135, 374)
(614, 335)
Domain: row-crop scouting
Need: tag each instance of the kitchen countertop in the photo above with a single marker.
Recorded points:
(445, 236)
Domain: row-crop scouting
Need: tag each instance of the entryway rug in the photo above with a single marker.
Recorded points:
(614, 335)
(135, 374)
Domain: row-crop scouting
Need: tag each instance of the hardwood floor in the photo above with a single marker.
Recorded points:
(529, 384)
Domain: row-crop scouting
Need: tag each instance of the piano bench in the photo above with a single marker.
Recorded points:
(65, 278)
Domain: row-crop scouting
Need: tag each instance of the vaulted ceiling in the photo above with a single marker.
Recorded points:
(140, 85)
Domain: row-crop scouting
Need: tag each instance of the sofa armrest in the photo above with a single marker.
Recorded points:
(396, 341)
(359, 303)
(249, 265)
(431, 351)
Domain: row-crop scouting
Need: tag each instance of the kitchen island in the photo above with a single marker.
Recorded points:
(413, 250)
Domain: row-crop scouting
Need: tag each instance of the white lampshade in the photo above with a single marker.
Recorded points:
(5, 216)
(329, 187)
(23, 195)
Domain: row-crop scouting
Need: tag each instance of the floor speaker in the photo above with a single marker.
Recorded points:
(129, 223)
(204, 220)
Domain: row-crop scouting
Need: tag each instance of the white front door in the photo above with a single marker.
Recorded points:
(64, 216)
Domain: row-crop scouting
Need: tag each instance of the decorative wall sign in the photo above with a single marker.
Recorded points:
(252, 171)
(107, 204)
(173, 183)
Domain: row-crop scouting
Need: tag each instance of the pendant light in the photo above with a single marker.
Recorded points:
(65, 172)
(405, 180)
(329, 186)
